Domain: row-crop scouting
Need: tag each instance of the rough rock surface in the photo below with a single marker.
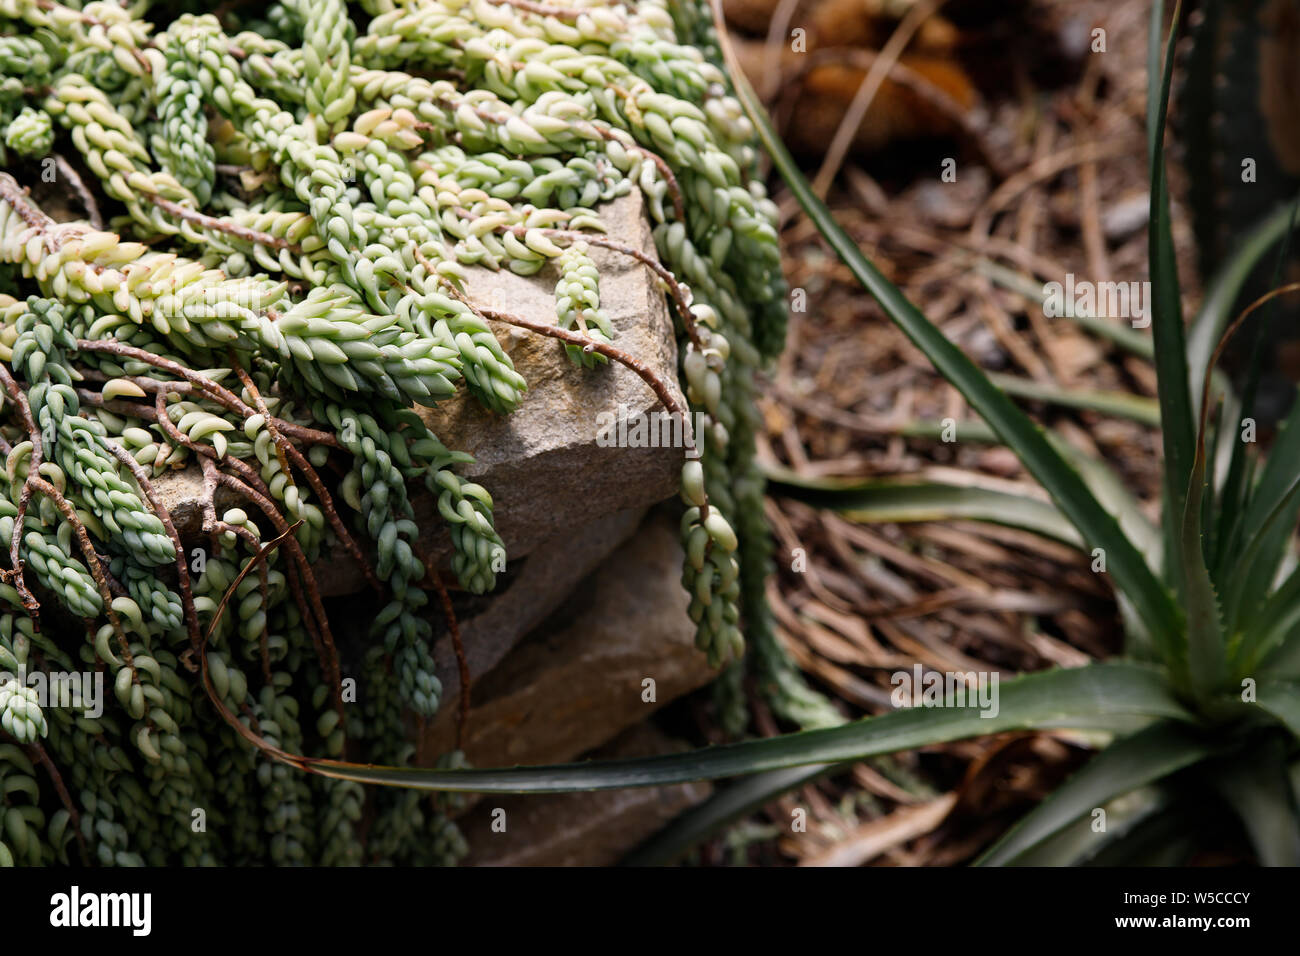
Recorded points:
(580, 829)
(545, 578)
(542, 463)
(545, 452)
(578, 680)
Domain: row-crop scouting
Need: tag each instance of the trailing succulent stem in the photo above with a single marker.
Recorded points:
(292, 206)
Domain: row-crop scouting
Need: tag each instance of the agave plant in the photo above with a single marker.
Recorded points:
(1203, 708)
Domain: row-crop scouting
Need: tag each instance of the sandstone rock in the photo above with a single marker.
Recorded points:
(541, 463)
(181, 493)
(580, 829)
(545, 578)
(577, 681)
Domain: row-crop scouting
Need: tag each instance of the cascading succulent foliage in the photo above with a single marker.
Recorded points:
(1202, 712)
(292, 202)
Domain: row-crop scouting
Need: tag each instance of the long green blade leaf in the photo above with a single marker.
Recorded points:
(1268, 630)
(1256, 785)
(1167, 840)
(1270, 493)
(1236, 457)
(1115, 695)
(1186, 474)
(1238, 497)
(736, 801)
(1120, 404)
(1150, 599)
(971, 429)
(1262, 550)
(1154, 58)
(1281, 699)
(1079, 842)
(1178, 429)
(1284, 663)
(1216, 309)
(1129, 763)
(907, 501)
(1129, 339)
(1096, 474)
(1206, 639)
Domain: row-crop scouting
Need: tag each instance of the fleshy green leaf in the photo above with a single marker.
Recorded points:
(1256, 785)
(1131, 762)
(740, 799)
(1204, 665)
(1281, 699)
(1165, 840)
(1284, 661)
(1264, 643)
(1079, 842)
(1255, 533)
(1215, 313)
(1206, 640)
(1235, 487)
(1177, 424)
(1235, 458)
